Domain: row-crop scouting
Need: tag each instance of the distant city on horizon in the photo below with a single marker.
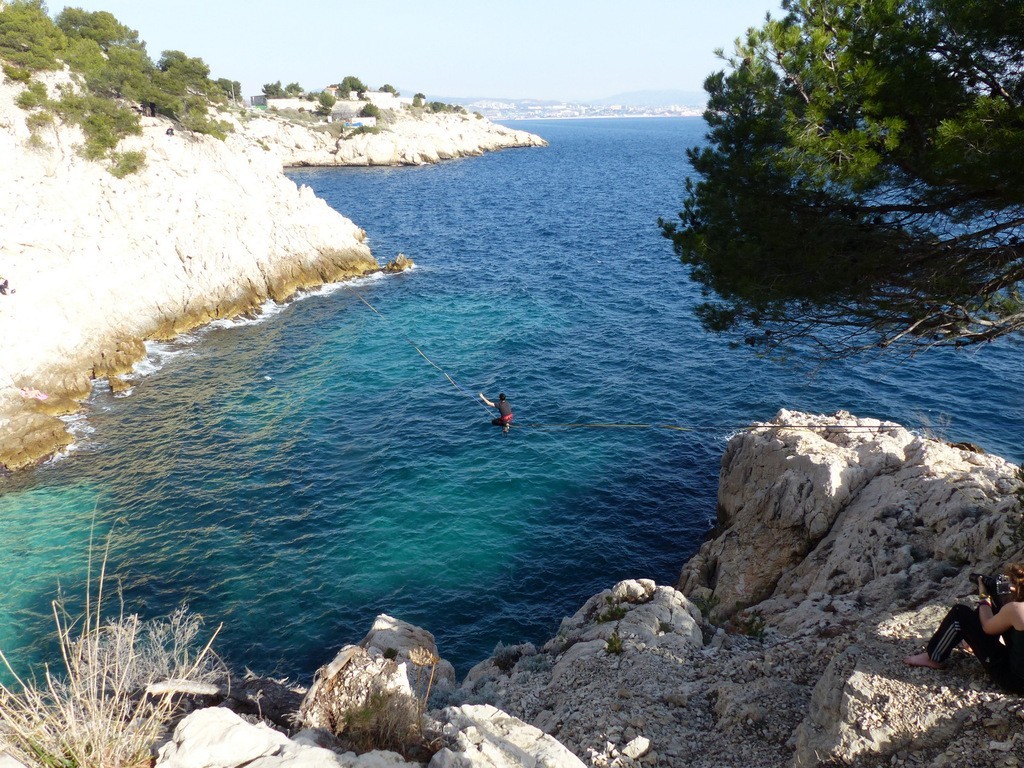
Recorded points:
(633, 104)
(648, 103)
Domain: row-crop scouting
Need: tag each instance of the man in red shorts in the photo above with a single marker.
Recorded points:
(504, 419)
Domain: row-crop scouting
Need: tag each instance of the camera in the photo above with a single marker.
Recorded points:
(996, 587)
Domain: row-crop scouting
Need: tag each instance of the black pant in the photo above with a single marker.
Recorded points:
(963, 623)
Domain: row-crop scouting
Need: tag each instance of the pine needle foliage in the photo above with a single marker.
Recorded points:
(862, 184)
(118, 80)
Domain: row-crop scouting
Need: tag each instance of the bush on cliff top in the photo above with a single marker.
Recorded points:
(28, 38)
(116, 70)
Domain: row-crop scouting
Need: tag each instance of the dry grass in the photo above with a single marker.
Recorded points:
(96, 713)
(387, 720)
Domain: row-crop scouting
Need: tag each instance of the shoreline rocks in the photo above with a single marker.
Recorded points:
(409, 139)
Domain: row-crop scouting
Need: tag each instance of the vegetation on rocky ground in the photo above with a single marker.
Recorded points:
(103, 708)
(116, 79)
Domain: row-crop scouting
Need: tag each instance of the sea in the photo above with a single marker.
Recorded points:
(291, 475)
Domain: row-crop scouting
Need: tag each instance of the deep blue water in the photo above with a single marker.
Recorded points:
(294, 477)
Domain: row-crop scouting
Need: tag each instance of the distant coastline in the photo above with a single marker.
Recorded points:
(598, 117)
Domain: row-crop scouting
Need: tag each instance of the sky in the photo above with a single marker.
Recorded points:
(572, 50)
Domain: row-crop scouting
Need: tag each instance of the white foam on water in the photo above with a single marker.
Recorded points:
(81, 431)
(332, 288)
(264, 313)
(159, 353)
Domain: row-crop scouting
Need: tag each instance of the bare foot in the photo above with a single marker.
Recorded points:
(923, 660)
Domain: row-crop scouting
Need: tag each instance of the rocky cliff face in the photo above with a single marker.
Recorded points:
(207, 229)
(410, 140)
(841, 542)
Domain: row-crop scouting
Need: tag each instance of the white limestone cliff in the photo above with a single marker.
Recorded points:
(97, 264)
(411, 139)
(206, 229)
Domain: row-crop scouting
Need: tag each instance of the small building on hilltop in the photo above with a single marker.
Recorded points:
(387, 100)
(299, 105)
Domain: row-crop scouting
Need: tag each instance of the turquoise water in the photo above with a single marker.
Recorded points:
(295, 476)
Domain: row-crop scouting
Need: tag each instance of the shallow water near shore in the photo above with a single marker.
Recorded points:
(295, 476)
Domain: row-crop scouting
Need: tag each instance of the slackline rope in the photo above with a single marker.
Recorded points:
(422, 354)
(616, 425)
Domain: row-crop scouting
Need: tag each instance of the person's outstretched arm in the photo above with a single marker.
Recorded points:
(487, 401)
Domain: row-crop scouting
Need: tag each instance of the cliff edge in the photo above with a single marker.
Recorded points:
(97, 264)
(840, 544)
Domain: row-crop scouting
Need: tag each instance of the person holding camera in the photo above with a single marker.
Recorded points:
(994, 631)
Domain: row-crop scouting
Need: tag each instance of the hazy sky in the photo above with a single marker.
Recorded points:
(547, 49)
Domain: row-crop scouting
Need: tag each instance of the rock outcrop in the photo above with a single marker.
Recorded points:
(206, 229)
(470, 737)
(858, 510)
(841, 543)
(410, 139)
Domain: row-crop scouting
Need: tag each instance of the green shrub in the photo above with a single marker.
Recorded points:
(440, 106)
(351, 84)
(197, 119)
(613, 613)
(126, 163)
(370, 110)
(749, 623)
(28, 37)
(33, 97)
(38, 120)
(104, 122)
(17, 74)
(388, 720)
(614, 644)
(361, 130)
(706, 604)
(326, 103)
(539, 662)
(505, 657)
(114, 66)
